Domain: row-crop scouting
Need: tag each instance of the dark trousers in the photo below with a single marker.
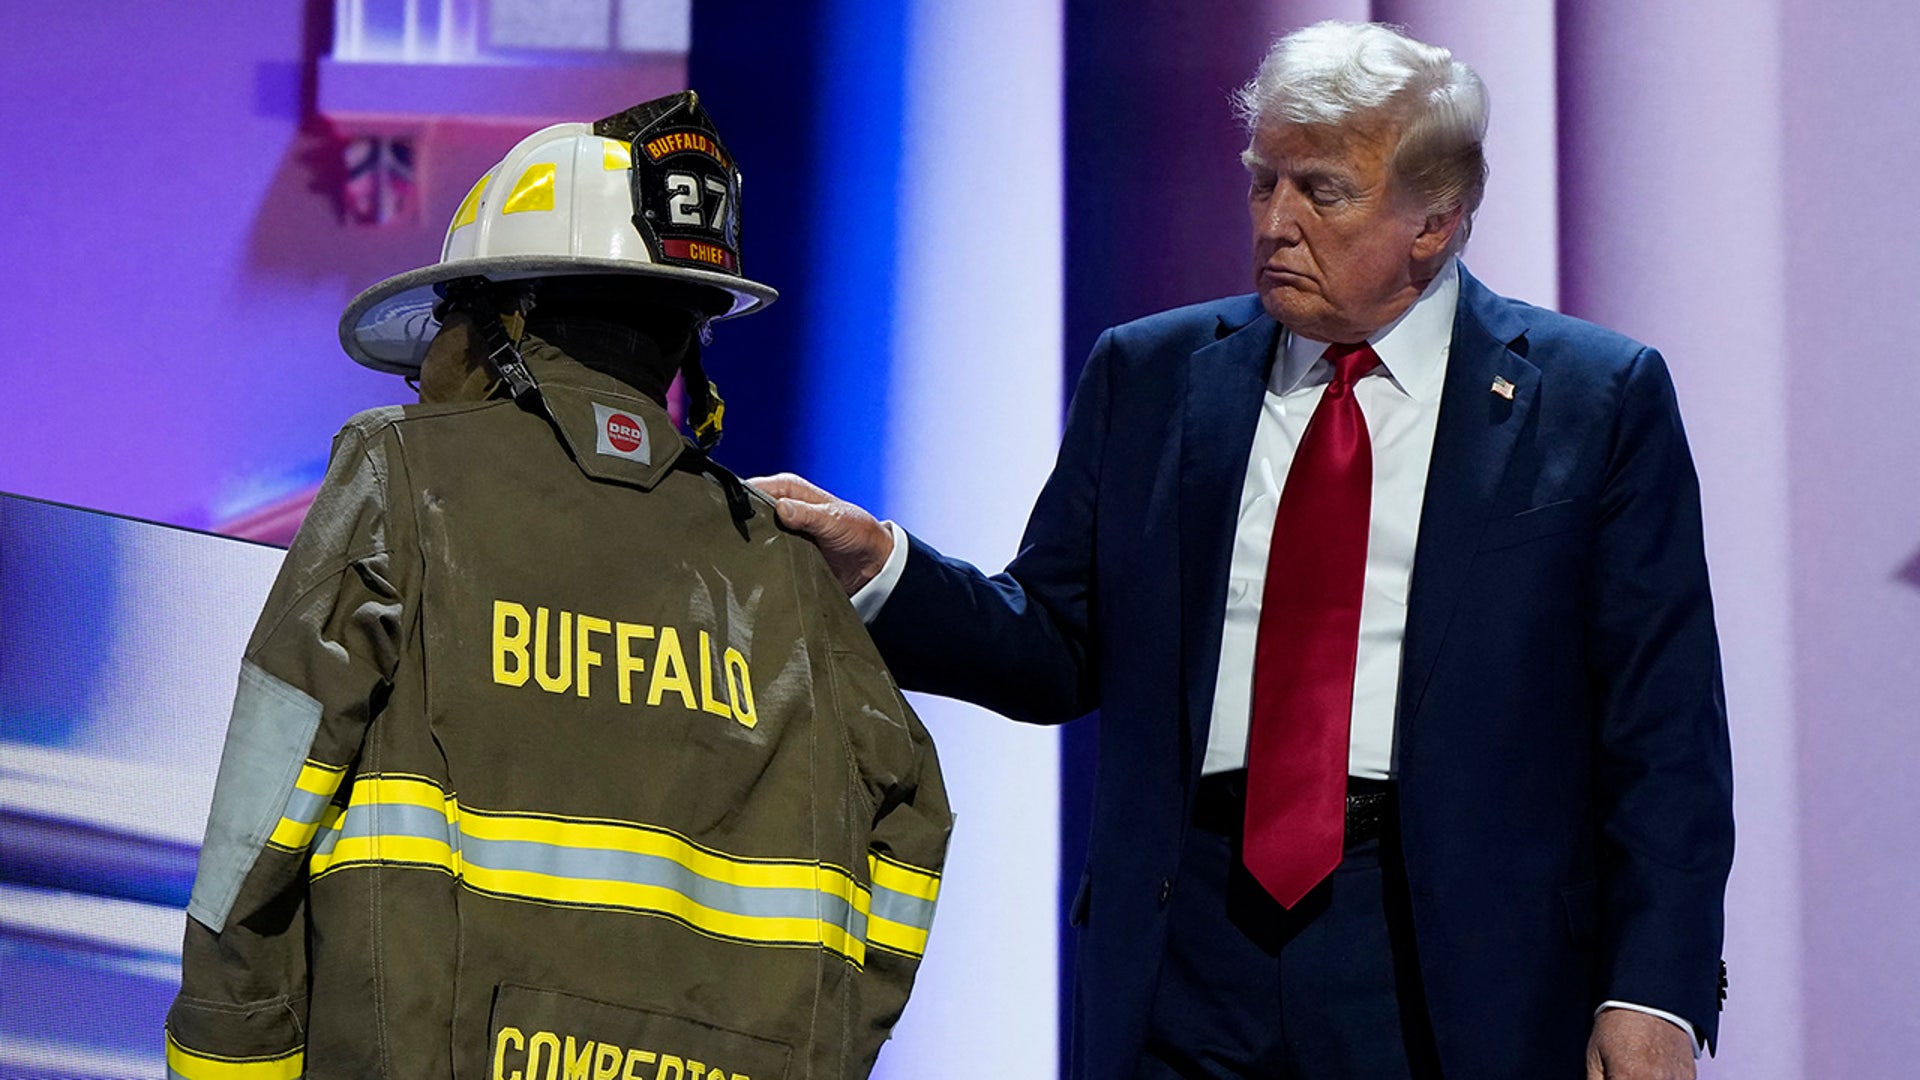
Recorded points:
(1250, 989)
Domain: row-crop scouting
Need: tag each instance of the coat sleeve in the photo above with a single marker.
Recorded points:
(1020, 642)
(315, 669)
(1664, 788)
(897, 774)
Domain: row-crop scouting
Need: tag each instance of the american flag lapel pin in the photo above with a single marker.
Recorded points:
(1503, 387)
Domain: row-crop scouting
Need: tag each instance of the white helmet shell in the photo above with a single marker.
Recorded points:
(563, 202)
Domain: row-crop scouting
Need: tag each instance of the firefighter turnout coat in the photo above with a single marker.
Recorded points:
(544, 767)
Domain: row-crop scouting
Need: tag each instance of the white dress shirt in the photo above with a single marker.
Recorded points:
(1401, 400)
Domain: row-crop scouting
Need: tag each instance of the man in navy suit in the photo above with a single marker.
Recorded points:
(1391, 595)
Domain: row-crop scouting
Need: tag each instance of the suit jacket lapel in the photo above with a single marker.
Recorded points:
(1226, 386)
(1475, 436)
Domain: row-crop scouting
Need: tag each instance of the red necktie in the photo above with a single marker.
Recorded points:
(1308, 639)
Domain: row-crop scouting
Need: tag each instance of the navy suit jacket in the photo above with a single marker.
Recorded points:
(1565, 782)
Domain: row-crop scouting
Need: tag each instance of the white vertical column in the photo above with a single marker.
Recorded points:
(1675, 233)
(974, 421)
(1515, 247)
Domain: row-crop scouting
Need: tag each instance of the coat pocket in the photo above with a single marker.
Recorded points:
(1535, 524)
(543, 1033)
(1583, 912)
(1082, 899)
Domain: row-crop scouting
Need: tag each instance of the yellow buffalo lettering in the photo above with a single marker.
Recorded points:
(511, 645)
(583, 649)
(740, 688)
(553, 683)
(624, 635)
(670, 670)
(559, 650)
(676, 141)
(707, 702)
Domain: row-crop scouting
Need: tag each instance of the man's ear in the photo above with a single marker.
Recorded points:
(1436, 234)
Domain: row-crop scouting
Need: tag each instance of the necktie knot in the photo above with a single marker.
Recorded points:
(1350, 362)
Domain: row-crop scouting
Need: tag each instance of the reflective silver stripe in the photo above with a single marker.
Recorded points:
(306, 806)
(634, 868)
(601, 871)
(898, 907)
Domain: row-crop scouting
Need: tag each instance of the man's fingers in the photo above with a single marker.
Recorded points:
(804, 517)
(787, 485)
(854, 544)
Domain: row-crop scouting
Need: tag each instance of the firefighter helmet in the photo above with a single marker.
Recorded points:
(650, 193)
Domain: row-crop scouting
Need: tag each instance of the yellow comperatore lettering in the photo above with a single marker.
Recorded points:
(583, 650)
(594, 1060)
(578, 1061)
(507, 1034)
(635, 1059)
(707, 702)
(511, 644)
(670, 670)
(558, 650)
(629, 665)
(551, 683)
(550, 1042)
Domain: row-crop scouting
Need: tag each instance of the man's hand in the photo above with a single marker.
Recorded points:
(1628, 1045)
(855, 545)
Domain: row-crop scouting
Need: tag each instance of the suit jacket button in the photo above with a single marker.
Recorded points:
(1166, 891)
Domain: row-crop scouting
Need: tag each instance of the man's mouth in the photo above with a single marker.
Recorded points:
(1281, 275)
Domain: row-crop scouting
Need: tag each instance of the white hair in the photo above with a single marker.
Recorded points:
(1341, 73)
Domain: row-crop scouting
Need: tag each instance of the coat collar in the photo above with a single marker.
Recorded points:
(1226, 384)
(1485, 403)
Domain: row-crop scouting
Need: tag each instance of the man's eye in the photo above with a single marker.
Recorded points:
(1323, 195)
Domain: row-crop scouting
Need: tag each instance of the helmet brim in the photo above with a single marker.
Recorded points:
(389, 326)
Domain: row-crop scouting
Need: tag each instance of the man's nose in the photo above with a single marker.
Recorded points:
(1278, 219)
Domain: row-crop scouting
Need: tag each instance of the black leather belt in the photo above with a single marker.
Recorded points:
(1220, 806)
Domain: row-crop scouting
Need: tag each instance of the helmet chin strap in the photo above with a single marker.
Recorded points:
(706, 411)
(500, 334)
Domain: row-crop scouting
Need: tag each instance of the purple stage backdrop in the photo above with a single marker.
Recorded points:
(1721, 179)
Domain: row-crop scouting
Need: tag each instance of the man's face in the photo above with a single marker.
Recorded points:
(1335, 246)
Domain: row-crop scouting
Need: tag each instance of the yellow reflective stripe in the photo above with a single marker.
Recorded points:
(663, 900)
(469, 211)
(341, 845)
(412, 850)
(903, 902)
(307, 804)
(533, 191)
(899, 877)
(596, 862)
(651, 840)
(616, 155)
(187, 1064)
(895, 937)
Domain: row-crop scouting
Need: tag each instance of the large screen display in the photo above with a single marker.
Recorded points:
(120, 645)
